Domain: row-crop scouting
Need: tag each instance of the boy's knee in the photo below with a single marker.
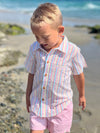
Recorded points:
(36, 131)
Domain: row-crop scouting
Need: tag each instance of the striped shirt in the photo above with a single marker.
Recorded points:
(51, 91)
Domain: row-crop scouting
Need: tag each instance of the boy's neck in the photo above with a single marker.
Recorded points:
(56, 46)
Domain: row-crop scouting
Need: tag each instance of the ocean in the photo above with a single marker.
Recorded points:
(21, 10)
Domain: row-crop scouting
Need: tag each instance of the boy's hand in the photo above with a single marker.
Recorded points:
(82, 102)
(28, 103)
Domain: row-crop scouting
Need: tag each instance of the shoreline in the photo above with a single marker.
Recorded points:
(21, 18)
(80, 21)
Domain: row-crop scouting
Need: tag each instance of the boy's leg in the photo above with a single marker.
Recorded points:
(36, 131)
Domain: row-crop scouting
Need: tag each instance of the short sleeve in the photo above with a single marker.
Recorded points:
(30, 63)
(78, 63)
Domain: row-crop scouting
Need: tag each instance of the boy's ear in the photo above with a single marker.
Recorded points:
(61, 29)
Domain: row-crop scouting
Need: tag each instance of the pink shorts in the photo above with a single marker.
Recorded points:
(57, 124)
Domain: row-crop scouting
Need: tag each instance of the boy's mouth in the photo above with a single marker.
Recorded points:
(44, 45)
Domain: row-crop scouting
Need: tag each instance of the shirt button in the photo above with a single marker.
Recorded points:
(42, 99)
(46, 74)
(47, 61)
(43, 87)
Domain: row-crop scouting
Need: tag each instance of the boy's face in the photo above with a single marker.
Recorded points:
(47, 36)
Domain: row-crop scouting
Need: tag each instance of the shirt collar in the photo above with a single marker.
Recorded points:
(63, 46)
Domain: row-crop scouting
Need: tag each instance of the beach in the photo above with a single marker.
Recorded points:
(14, 79)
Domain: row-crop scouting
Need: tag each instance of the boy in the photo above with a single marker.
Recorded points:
(50, 62)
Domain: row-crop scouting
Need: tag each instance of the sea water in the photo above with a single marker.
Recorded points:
(20, 11)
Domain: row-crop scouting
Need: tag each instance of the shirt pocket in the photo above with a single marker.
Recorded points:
(63, 73)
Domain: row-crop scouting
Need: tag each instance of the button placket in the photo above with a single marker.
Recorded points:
(43, 93)
(45, 78)
(46, 66)
(44, 84)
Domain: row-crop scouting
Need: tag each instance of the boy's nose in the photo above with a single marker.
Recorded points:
(41, 41)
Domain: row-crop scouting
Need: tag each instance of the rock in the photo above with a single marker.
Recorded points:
(18, 123)
(95, 29)
(11, 95)
(92, 29)
(9, 57)
(2, 104)
(11, 29)
(97, 36)
(11, 99)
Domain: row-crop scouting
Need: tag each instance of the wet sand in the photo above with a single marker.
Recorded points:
(87, 121)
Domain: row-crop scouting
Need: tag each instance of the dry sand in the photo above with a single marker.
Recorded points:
(87, 121)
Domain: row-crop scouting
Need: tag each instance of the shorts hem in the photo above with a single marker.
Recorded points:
(37, 129)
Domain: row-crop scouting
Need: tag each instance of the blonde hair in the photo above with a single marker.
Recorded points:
(47, 13)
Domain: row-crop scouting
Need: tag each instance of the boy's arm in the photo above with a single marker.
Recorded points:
(29, 89)
(80, 83)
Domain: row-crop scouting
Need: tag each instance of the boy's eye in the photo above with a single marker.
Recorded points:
(46, 37)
